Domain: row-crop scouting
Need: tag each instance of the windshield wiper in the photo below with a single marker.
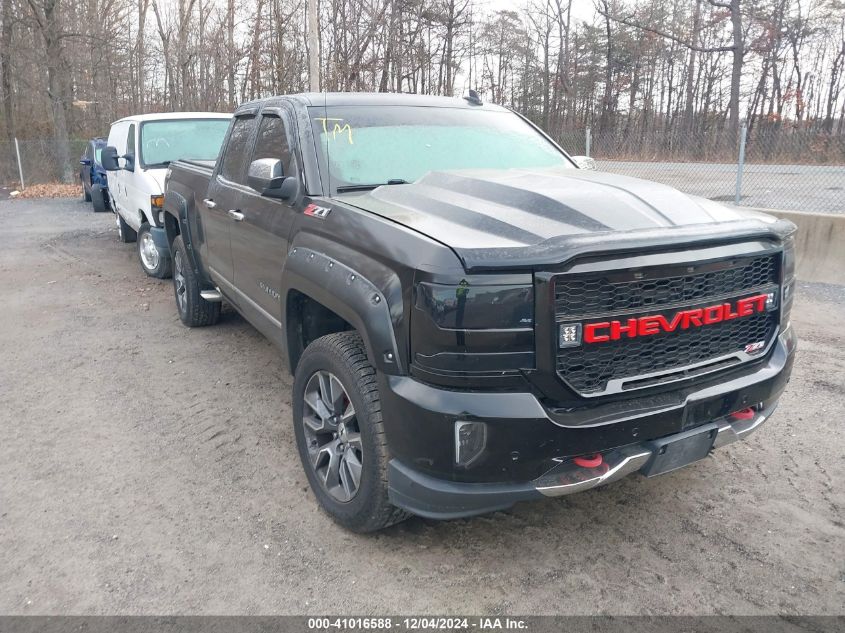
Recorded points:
(392, 181)
(163, 163)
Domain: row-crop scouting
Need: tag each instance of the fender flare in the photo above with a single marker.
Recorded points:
(350, 295)
(176, 204)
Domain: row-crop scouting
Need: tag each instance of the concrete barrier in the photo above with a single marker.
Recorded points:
(819, 245)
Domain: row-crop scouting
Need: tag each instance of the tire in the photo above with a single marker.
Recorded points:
(152, 261)
(98, 199)
(342, 357)
(86, 194)
(194, 311)
(126, 233)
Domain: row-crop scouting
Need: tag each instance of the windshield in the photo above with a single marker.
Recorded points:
(166, 141)
(374, 145)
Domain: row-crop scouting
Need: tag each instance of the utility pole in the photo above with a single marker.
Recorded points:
(313, 48)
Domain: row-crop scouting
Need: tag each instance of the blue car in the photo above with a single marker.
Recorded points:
(93, 176)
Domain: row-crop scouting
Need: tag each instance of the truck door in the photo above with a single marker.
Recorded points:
(116, 179)
(130, 178)
(221, 203)
(260, 236)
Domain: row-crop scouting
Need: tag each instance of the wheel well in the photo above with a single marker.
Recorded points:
(171, 227)
(307, 320)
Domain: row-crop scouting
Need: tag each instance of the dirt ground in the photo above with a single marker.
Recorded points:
(150, 469)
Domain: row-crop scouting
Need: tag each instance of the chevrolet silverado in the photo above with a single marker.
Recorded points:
(470, 318)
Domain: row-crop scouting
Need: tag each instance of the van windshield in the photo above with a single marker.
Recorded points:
(361, 146)
(166, 141)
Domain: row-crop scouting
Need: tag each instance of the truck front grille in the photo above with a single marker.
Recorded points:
(642, 361)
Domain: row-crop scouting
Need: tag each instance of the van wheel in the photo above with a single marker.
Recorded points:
(98, 199)
(194, 311)
(126, 233)
(340, 435)
(152, 261)
(86, 195)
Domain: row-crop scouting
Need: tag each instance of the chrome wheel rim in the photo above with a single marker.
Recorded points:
(179, 282)
(149, 252)
(332, 436)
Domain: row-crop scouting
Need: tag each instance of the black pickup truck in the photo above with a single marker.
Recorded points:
(471, 319)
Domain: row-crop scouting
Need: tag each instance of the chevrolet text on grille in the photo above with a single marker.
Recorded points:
(603, 331)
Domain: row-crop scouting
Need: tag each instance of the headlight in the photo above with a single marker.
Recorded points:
(157, 202)
(788, 277)
(789, 258)
(477, 307)
(479, 328)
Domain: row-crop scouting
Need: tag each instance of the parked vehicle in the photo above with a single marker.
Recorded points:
(139, 150)
(471, 319)
(93, 176)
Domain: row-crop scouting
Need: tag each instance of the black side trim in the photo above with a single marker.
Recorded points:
(434, 498)
(351, 296)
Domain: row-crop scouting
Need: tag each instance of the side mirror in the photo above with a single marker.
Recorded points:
(585, 162)
(85, 161)
(267, 176)
(129, 164)
(108, 159)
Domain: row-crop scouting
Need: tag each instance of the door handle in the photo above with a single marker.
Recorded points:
(237, 216)
(211, 204)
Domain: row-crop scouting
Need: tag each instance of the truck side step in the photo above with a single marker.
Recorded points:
(211, 295)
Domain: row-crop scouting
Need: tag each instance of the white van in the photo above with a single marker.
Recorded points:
(139, 150)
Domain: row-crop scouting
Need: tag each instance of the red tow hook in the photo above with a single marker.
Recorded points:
(743, 414)
(588, 461)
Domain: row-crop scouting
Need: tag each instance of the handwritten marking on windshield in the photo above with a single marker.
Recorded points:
(336, 129)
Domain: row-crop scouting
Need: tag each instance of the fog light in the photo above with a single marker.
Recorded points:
(771, 300)
(470, 440)
(570, 334)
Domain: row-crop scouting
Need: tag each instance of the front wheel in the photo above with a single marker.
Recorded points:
(340, 434)
(194, 311)
(125, 233)
(152, 261)
(98, 199)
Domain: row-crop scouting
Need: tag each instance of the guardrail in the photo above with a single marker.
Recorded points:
(819, 245)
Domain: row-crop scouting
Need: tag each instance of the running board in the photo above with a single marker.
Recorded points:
(211, 295)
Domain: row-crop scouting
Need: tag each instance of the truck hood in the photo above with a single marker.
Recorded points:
(529, 217)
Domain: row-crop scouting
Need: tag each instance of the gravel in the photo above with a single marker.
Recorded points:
(150, 469)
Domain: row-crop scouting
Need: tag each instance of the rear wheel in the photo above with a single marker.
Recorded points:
(126, 233)
(86, 194)
(194, 311)
(340, 435)
(153, 262)
(98, 199)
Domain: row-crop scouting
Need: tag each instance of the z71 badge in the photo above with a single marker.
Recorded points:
(317, 212)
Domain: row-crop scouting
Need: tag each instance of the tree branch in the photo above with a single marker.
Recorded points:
(664, 34)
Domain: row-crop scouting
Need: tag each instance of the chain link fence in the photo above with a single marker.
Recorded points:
(770, 168)
(39, 162)
(775, 168)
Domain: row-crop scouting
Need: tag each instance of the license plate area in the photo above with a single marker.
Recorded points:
(681, 449)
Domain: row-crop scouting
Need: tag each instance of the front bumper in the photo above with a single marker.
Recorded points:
(545, 445)
(159, 236)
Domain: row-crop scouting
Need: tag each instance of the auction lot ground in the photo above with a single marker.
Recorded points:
(148, 468)
(811, 188)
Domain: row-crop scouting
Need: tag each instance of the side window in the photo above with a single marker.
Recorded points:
(130, 140)
(117, 137)
(237, 149)
(272, 142)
